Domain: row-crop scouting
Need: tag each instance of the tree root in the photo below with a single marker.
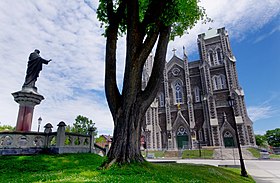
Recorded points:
(107, 165)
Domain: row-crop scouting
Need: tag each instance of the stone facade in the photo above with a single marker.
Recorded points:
(191, 106)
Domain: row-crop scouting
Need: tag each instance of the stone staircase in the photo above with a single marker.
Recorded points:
(232, 153)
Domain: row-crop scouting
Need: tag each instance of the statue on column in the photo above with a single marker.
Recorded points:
(34, 67)
(28, 97)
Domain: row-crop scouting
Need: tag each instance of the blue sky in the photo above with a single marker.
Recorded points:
(69, 33)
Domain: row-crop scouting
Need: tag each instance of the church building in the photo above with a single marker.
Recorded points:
(192, 106)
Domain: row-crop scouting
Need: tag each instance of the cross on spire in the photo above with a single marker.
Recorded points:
(174, 50)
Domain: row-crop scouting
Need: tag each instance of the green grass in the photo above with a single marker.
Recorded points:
(193, 154)
(84, 168)
(255, 152)
(274, 156)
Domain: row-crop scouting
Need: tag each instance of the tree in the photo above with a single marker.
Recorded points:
(273, 137)
(260, 140)
(146, 23)
(6, 128)
(82, 125)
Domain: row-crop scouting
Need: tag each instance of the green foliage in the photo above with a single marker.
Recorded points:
(181, 15)
(260, 140)
(193, 154)
(7, 128)
(82, 125)
(100, 139)
(273, 137)
(84, 168)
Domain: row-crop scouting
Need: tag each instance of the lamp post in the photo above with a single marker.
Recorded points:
(39, 123)
(242, 165)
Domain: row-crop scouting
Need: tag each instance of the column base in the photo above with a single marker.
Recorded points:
(27, 98)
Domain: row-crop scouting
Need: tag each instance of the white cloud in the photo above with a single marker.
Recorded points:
(264, 36)
(238, 16)
(260, 112)
(70, 34)
(267, 109)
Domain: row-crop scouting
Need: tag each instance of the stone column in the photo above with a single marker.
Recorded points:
(60, 138)
(27, 98)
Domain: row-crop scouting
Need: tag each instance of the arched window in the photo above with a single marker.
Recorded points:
(219, 82)
(178, 92)
(215, 80)
(161, 99)
(210, 57)
(223, 81)
(196, 94)
(219, 55)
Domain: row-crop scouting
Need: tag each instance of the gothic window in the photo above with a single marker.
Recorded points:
(228, 134)
(178, 92)
(181, 131)
(196, 94)
(161, 99)
(219, 55)
(215, 82)
(176, 71)
(210, 57)
(219, 82)
(223, 81)
(148, 117)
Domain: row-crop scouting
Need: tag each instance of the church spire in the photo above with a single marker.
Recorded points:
(174, 51)
(185, 54)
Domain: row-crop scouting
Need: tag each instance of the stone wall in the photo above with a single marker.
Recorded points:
(19, 143)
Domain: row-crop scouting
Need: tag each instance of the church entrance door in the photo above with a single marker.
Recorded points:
(182, 138)
(228, 139)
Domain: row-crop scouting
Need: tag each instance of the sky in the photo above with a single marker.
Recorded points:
(69, 33)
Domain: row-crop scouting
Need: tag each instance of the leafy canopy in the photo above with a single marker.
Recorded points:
(181, 15)
(273, 137)
(6, 128)
(82, 125)
(260, 140)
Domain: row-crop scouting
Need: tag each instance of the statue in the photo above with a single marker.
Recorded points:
(34, 67)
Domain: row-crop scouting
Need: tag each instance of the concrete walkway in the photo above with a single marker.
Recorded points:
(262, 171)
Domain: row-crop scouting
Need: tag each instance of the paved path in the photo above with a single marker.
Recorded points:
(262, 171)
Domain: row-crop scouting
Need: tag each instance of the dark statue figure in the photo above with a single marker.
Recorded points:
(34, 67)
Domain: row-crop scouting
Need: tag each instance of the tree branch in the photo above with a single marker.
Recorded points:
(151, 90)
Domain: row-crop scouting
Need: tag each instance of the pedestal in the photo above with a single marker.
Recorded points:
(27, 98)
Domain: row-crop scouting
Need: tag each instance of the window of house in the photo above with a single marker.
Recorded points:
(196, 94)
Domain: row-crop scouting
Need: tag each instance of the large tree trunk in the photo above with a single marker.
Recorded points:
(128, 107)
(126, 139)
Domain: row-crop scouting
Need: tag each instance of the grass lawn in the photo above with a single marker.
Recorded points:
(84, 168)
(192, 154)
(256, 154)
(274, 156)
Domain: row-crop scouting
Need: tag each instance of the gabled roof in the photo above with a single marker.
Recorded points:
(175, 61)
(107, 137)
